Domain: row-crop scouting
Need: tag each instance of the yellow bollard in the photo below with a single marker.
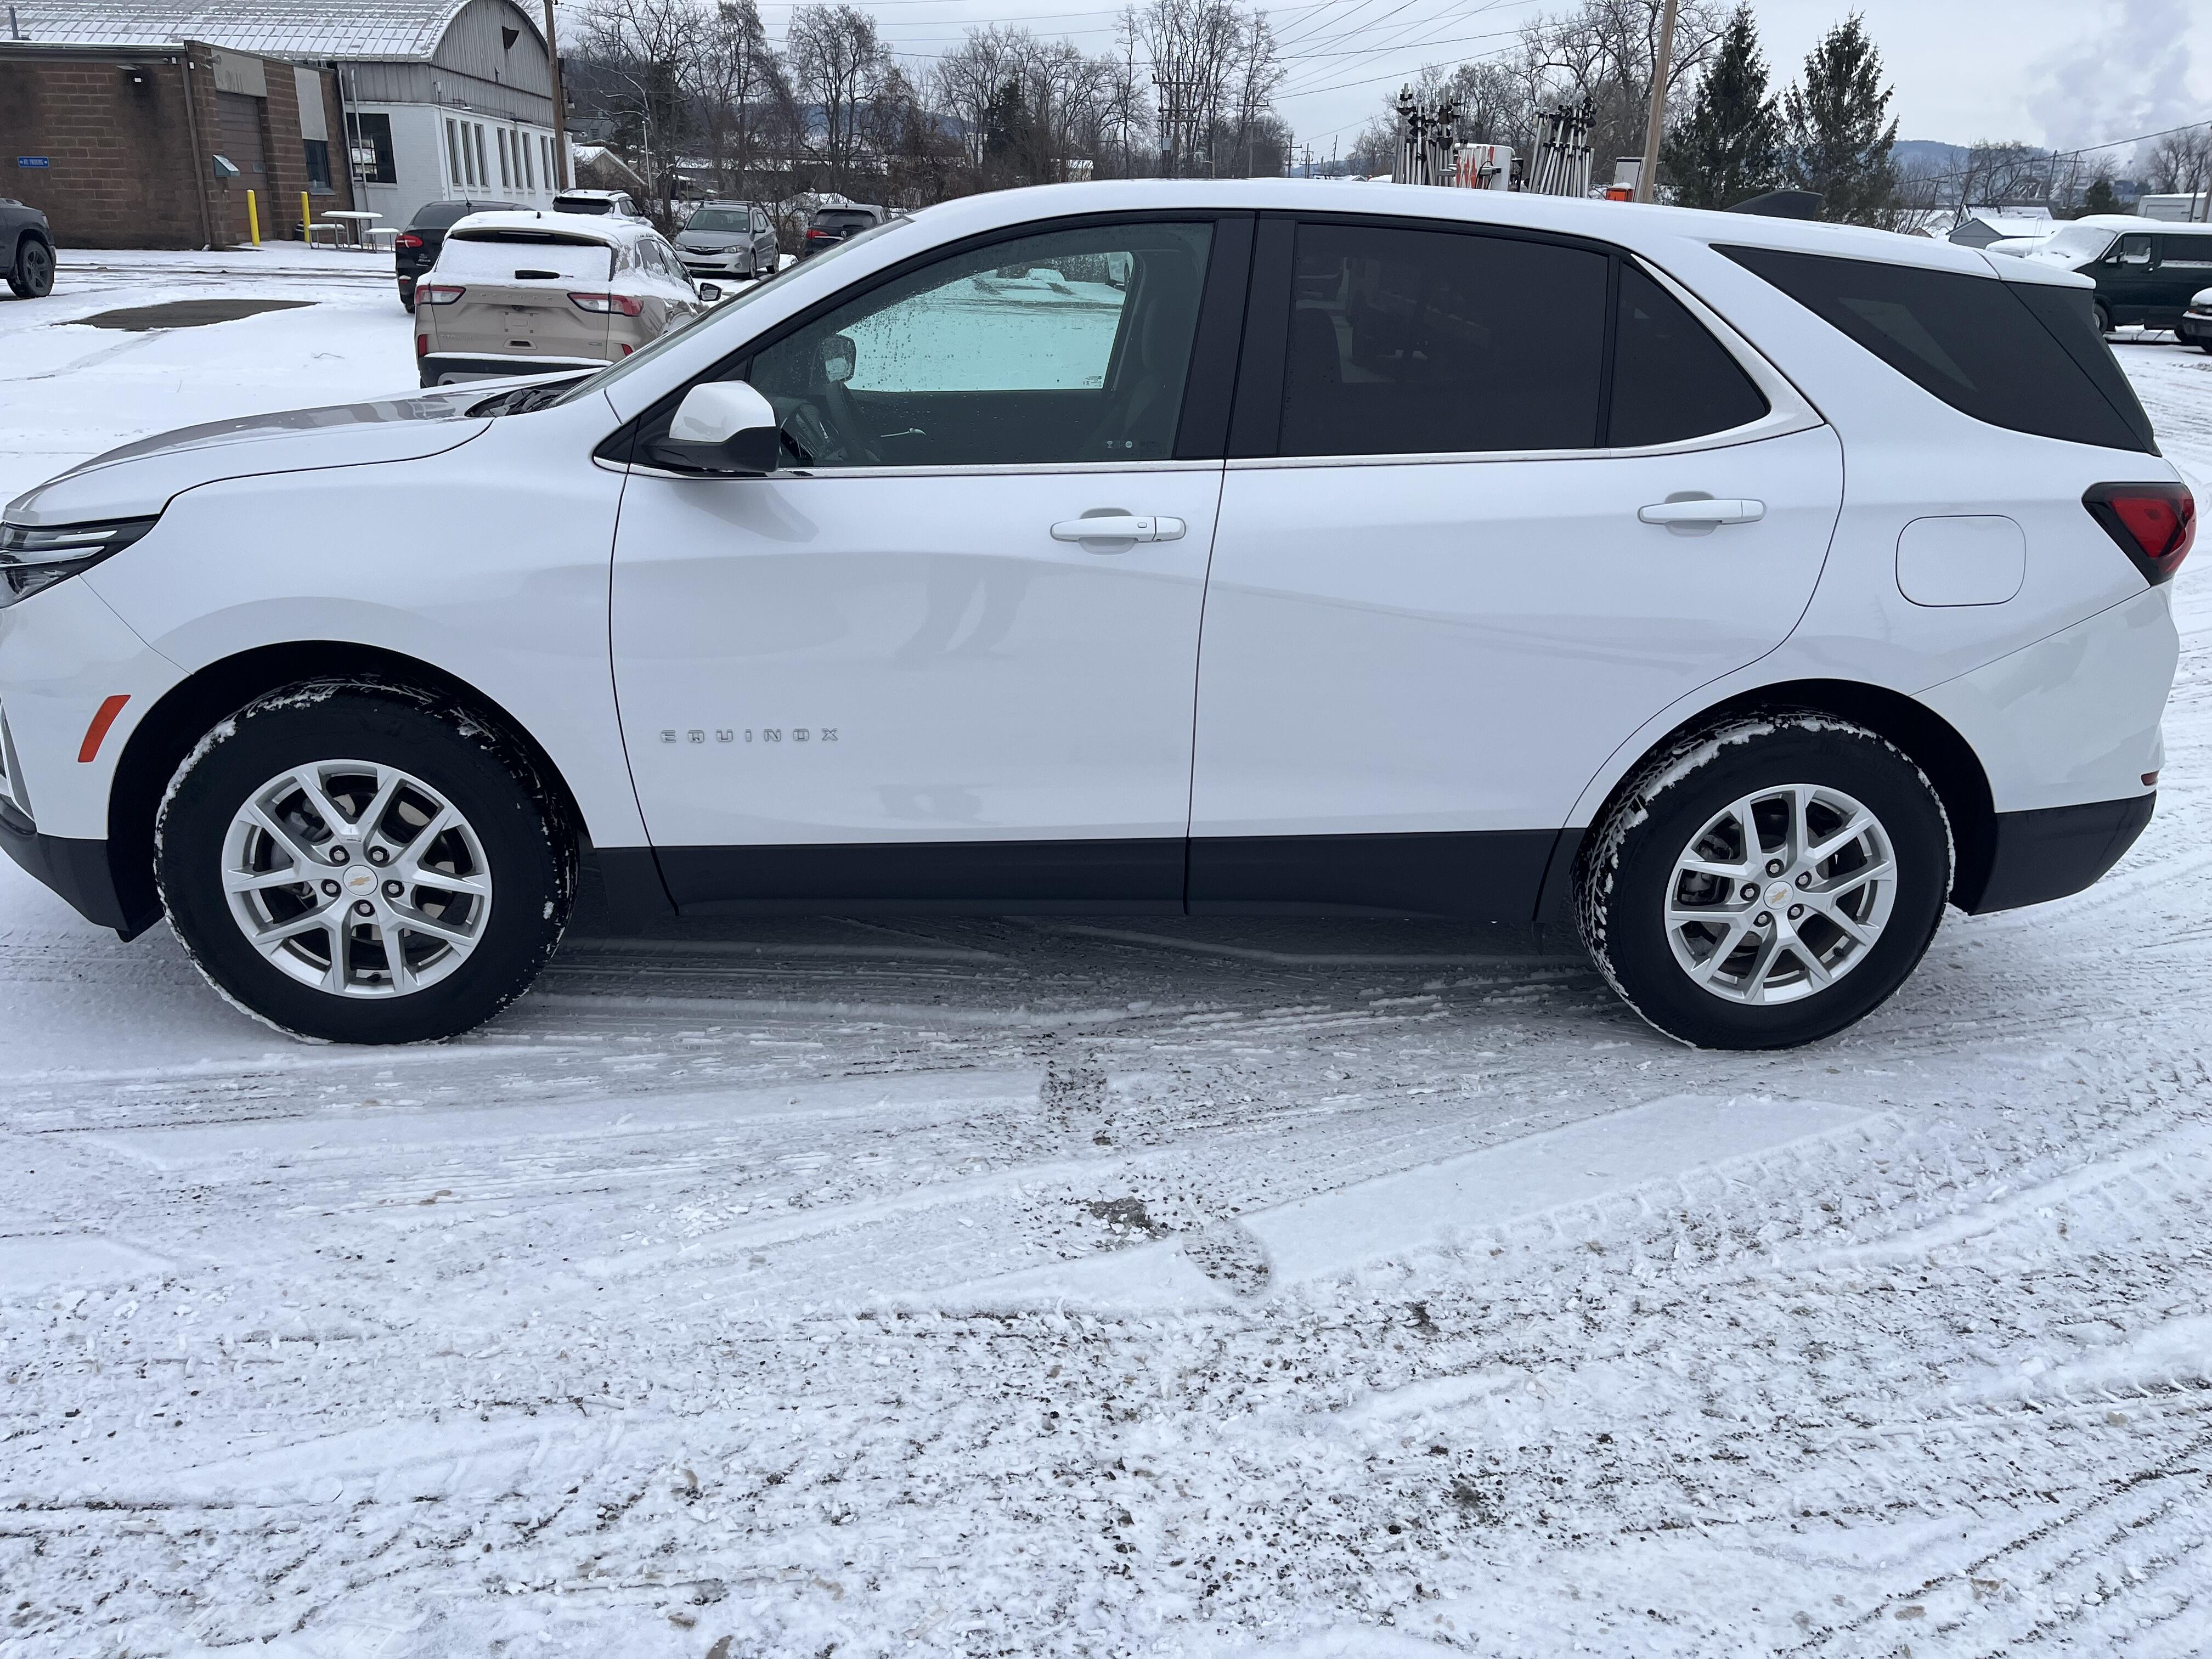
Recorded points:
(307, 221)
(252, 219)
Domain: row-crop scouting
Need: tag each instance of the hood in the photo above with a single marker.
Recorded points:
(711, 237)
(139, 479)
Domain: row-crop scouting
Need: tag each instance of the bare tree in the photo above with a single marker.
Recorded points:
(837, 64)
(738, 82)
(2179, 162)
(641, 59)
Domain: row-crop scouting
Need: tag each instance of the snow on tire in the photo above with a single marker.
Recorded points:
(355, 862)
(1767, 882)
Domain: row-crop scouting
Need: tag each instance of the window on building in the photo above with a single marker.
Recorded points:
(371, 138)
(529, 157)
(319, 165)
(483, 157)
(506, 173)
(453, 152)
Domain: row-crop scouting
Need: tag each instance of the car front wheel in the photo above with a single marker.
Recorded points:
(355, 863)
(31, 275)
(1767, 882)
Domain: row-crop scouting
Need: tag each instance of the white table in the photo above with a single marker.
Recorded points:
(356, 224)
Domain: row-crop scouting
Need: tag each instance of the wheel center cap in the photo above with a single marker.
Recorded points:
(1778, 894)
(359, 879)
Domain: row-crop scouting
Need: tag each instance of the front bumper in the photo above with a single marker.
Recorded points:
(79, 871)
(452, 369)
(2193, 330)
(716, 264)
(2046, 855)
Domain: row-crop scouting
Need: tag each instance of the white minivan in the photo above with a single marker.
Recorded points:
(1733, 591)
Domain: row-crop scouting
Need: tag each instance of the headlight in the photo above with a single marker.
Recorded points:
(33, 557)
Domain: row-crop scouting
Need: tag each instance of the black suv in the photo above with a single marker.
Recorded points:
(26, 250)
(415, 250)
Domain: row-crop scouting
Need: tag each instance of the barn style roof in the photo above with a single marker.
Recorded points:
(380, 30)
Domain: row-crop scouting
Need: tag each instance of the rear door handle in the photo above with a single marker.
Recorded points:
(1119, 527)
(1703, 513)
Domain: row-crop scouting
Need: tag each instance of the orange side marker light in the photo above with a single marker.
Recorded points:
(96, 734)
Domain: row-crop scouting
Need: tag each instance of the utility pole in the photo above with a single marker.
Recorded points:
(1647, 176)
(560, 105)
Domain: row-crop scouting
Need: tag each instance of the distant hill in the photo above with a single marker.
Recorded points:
(1927, 155)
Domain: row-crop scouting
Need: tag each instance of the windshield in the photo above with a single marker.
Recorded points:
(720, 219)
(614, 372)
(2077, 244)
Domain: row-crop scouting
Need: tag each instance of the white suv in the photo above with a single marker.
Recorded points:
(1734, 590)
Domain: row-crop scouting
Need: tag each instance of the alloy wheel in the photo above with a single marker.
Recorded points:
(358, 878)
(1781, 894)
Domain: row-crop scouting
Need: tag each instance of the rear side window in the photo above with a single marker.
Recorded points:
(2184, 250)
(1671, 378)
(1982, 345)
(1410, 342)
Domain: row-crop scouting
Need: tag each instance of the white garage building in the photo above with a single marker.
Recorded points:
(444, 99)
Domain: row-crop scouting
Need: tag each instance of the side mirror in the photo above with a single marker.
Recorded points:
(839, 355)
(711, 293)
(725, 427)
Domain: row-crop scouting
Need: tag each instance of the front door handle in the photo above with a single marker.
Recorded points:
(1119, 527)
(1702, 512)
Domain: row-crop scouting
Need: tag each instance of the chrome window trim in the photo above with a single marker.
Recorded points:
(1788, 410)
(992, 470)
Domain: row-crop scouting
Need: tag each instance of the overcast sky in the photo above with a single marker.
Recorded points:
(2058, 72)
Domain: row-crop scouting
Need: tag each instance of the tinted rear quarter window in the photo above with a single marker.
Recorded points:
(1671, 378)
(1411, 342)
(2001, 352)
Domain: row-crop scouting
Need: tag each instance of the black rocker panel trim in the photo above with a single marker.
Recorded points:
(1492, 875)
(1140, 876)
(2047, 854)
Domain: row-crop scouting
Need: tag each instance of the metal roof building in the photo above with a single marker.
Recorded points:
(445, 99)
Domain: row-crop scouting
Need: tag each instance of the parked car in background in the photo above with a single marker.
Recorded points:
(2195, 327)
(415, 250)
(826, 227)
(2146, 271)
(881, 586)
(26, 250)
(610, 204)
(516, 293)
(729, 238)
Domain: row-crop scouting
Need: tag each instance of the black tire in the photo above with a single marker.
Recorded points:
(1629, 862)
(407, 304)
(31, 275)
(529, 852)
(2104, 320)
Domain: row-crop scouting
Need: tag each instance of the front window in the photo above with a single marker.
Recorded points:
(733, 220)
(1067, 347)
(2077, 244)
(2133, 251)
(717, 317)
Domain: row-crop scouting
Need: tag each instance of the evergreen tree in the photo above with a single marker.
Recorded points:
(1729, 147)
(1838, 143)
(2098, 197)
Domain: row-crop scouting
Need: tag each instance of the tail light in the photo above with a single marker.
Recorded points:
(437, 294)
(2153, 523)
(607, 304)
(817, 236)
(422, 345)
(407, 238)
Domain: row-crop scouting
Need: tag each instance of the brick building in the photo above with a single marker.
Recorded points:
(432, 100)
(143, 146)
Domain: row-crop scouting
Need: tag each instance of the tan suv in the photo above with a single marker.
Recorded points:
(522, 292)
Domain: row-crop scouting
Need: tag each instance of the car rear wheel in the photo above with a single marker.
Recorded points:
(32, 276)
(1767, 882)
(2104, 320)
(355, 863)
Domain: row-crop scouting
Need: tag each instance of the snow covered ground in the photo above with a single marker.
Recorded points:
(1040, 1287)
